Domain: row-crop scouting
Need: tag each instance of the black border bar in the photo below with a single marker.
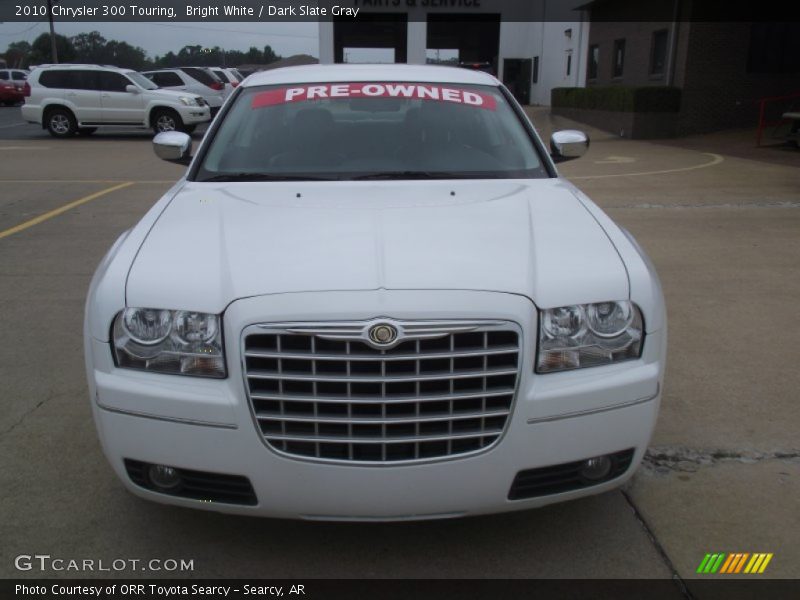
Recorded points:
(729, 587)
(266, 11)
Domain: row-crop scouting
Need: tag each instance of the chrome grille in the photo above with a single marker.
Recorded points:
(324, 391)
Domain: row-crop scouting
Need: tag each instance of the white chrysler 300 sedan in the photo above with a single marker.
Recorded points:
(372, 297)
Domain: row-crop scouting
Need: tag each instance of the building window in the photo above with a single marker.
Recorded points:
(594, 60)
(658, 52)
(569, 64)
(535, 76)
(442, 56)
(619, 57)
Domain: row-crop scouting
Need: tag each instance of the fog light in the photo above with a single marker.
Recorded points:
(164, 478)
(596, 468)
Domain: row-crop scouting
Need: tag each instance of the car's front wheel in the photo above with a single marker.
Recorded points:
(167, 120)
(61, 123)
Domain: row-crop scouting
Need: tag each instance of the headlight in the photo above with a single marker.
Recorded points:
(186, 100)
(169, 341)
(588, 335)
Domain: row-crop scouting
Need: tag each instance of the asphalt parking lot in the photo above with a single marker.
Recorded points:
(721, 221)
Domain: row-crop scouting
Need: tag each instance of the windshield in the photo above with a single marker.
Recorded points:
(141, 80)
(370, 130)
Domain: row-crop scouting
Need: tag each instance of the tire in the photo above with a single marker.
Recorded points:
(86, 130)
(166, 120)
(60, 123)
(189, 129)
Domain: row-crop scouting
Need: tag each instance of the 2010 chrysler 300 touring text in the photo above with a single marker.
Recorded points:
(372, 297)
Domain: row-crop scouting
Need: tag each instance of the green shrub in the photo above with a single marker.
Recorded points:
(619, 98)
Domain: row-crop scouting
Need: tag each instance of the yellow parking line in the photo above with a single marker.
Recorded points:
(62, 209)
(715, 160)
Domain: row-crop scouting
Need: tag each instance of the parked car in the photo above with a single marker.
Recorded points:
(372, 297)
(195, 80)
(70, 99)
(228, 77)
(11, 86)
(484, 66)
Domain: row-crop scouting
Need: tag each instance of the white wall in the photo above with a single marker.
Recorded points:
(518, 40)
(549, 42)
(326, 42)
(553, 48)
(417, 39)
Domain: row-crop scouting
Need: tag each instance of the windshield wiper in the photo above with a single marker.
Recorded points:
(409, 175)
(264, 177)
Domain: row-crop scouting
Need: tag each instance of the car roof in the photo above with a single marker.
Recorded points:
(381, 72)
(84, 67)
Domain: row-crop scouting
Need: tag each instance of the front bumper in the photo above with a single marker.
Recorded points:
(193, 115)
(206, 425)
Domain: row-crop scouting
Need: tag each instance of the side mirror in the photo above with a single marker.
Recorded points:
(132, 89)
(173, 146)
(568, 144)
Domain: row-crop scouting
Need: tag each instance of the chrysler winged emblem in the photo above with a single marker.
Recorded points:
(382, 334)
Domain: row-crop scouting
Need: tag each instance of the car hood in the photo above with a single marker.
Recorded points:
(217, 242)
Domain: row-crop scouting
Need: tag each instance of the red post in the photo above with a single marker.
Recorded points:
(760, 121)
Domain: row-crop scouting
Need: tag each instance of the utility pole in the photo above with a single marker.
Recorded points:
(53, 49)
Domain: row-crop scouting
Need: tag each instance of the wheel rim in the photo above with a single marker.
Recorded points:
(60, 124)
(165, 123)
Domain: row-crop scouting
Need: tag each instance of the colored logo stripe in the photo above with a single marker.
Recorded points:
(703, 563)
(711, 563)
(727, 565)
(737, 563)
(734, 562)
(758, 563)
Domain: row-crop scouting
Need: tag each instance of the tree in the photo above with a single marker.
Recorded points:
(254, 55)
(122, 54)
(269, 55)
(17, 54)
(40, 49)
(190, 55)
(168, 60)
(89, 47)
(92, 48)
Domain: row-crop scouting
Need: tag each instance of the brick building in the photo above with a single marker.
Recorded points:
(723, 69)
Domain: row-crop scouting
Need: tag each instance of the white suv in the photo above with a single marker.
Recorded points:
(70, 99)
(195, 80)
(228, 77)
